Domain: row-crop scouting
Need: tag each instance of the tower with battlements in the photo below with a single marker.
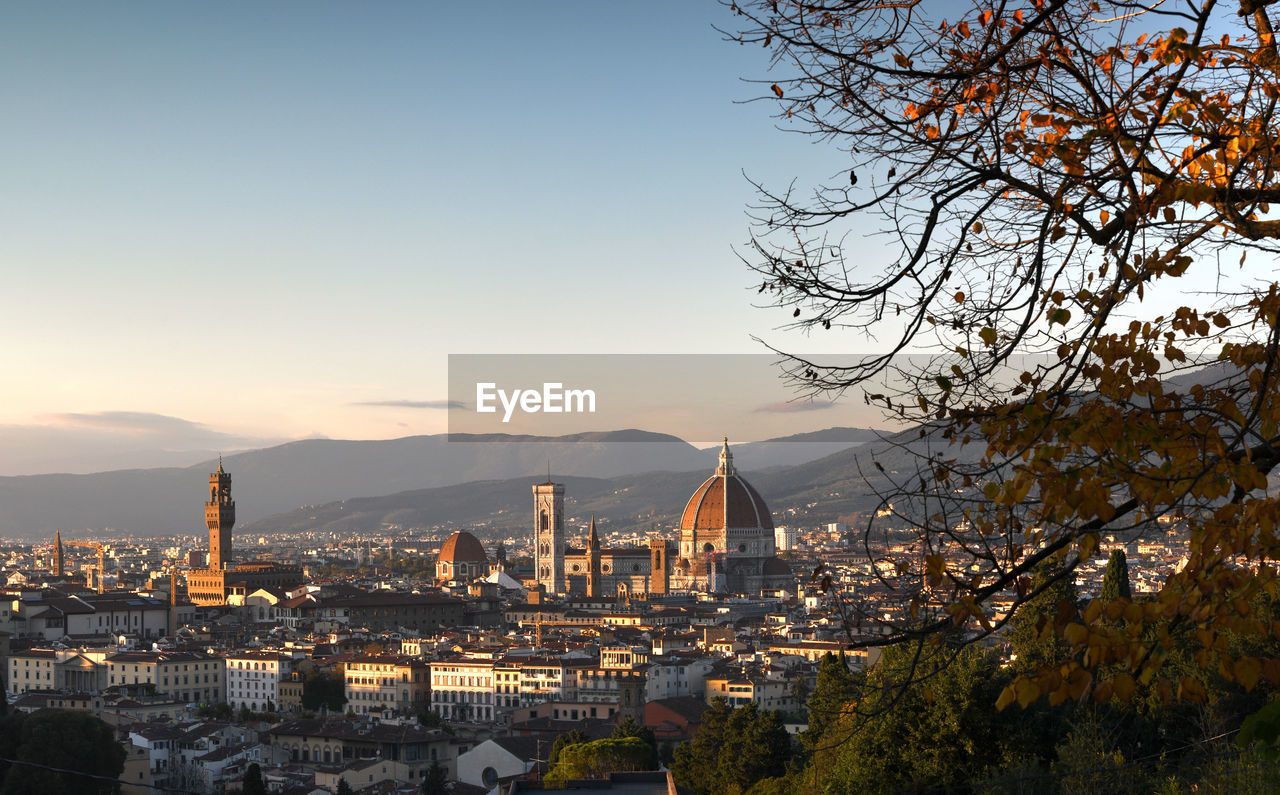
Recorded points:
(220, 516)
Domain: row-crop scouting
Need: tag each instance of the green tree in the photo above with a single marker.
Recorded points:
(435, 781)
(63, 739)
(732, 750)
(1115, 582)
(1036, 634)
(939, 730)
(344, 788)
(630, 727)
(251, 783)
(323, 689)
(598, 758)
(837, 687)
(562, 741)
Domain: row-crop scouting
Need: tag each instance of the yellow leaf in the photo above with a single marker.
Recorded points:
(1123, 686)
(988, 335)
(1027, 692)
(1006, 698)
(1247, 670)
(1088, 543)
(1076, 634)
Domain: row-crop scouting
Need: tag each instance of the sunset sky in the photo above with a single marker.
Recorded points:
(229, 224)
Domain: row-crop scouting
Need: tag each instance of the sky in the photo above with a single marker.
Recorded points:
(232, 224)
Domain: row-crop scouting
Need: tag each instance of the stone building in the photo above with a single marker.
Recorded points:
(212, 585)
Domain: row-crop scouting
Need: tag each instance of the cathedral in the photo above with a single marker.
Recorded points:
(725, 545)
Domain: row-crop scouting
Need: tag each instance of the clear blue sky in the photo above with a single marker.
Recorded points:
(253, 216)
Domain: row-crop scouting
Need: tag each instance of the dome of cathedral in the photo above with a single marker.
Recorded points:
(462, 547)
(725, 500)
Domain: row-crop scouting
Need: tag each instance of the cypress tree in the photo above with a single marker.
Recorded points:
(1115, 583)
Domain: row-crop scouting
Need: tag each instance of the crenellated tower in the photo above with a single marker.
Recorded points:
(548, 523)
(220, 516)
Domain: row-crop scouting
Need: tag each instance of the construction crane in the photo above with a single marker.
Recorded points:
(102, 557)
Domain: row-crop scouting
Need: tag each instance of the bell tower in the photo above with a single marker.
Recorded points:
(593, 562)
(220, 516)
(548, 523)
(58, 564)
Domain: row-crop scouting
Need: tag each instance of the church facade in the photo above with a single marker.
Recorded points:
(725, 543)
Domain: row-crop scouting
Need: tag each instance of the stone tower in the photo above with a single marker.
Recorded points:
(548, 523)
(593, 562)
(220, 516)
(657, 566)
(58, 561)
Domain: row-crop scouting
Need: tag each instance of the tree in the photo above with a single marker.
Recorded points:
(252, 783)
(1115, 582)
(1055, 180)
(943, 730)
(732, 750)
(344, 788)
(435, 781)
(836, 687)
(630, 727)
(323, 689)
(562, 741)
(66, 740)
(598, 758)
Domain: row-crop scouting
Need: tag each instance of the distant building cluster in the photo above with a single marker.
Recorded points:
(354, 671)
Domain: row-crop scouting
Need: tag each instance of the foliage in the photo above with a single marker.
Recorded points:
(562, 741)
(1035, 635)
(252, 783)
(942, 730)
(1115, 582)
(836, 687)
(220, 711)
(732, 750)
(630, 727)
(59, 739)
(323, 689)
(344, 788)
(430, 718)
(435, 781)
(1062, 180)
(598, 758)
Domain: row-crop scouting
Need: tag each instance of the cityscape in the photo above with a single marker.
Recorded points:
(689, 397)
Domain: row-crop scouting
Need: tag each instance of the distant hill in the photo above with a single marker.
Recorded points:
(276, 480)
(835, 483)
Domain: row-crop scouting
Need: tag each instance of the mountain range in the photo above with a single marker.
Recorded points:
(446, 477)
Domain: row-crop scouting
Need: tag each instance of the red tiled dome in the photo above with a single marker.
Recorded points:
(725, 500)
(462, 547)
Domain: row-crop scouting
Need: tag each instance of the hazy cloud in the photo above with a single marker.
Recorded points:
(127, 422)
(413, 404)
(793, 406)
(98, 441)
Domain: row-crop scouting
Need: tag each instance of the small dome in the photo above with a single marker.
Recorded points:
(725, 500)
(462, 547)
